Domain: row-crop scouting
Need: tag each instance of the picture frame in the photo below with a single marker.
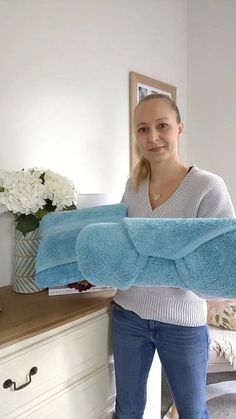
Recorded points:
(140, 86)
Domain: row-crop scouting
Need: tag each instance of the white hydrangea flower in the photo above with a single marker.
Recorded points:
(23, 192)
(3, 207)
(2, 175)
(60, 190)
(28, 191)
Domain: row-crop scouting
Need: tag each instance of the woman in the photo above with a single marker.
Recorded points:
(173, 321)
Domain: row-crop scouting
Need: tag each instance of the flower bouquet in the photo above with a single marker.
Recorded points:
(29, 195)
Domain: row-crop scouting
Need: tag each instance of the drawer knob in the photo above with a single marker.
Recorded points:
(8, 383)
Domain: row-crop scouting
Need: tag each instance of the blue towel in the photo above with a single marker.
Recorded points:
(56, 259)
(196, 254)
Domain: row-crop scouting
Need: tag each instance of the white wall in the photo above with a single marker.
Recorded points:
(64, 81)
(211, 130)
(64, 86)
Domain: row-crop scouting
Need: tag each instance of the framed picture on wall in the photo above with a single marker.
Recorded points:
(140, 86)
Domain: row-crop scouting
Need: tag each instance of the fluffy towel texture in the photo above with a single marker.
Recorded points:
(197, 254)
(56, 259)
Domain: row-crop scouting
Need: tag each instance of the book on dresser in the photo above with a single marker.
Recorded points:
(63, 290)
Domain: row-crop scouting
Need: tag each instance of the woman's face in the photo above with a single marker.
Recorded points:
(157, 131)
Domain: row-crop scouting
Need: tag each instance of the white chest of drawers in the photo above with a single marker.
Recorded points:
(67, 338)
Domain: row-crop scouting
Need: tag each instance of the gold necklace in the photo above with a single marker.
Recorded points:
(156, 196)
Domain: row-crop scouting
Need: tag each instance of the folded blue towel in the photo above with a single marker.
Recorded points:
(56, 259)
(197, 254)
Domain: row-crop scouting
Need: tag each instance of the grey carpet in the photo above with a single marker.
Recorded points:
(221, 400)
(211, 379)
(222, 407)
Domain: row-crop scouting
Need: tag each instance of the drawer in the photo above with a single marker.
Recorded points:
(90, 398)
(62, 360)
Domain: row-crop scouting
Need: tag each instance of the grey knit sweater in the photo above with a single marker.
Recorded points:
(201, 194)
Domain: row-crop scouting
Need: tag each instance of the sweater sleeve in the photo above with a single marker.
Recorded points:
(215, 201)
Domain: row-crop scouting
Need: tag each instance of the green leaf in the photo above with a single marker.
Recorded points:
(27, 223)
(48, 206)
(51, 208)
(40, 213)
(1, 189)
(42, 177)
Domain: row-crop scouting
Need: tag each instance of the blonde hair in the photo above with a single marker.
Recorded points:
(142, 169)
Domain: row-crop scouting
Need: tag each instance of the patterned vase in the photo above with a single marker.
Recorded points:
(25, 251)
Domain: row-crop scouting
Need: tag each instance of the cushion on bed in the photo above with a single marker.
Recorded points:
(222, 313)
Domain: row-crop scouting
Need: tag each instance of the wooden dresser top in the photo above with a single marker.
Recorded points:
(25, 315)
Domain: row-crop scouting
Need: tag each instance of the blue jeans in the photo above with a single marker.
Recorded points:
(183, 352)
